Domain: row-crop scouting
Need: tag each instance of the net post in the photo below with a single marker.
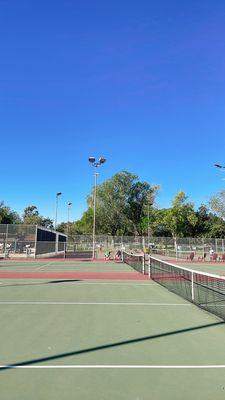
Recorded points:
(122, 256)
(149, 267)
(192, 287)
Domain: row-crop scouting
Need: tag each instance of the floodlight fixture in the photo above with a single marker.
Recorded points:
(95, 164)
(91, 160)
(102, 160)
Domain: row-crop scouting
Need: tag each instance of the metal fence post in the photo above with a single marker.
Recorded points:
(143, 264)
(149, 267)
(6, 240)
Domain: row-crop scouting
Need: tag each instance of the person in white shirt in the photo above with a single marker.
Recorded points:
(211, 252)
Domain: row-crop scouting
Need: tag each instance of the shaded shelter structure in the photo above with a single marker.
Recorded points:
(19, 241)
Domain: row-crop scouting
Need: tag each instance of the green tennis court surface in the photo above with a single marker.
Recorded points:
(106, 340)
(205, 266)
(66, 266)
(213, 268)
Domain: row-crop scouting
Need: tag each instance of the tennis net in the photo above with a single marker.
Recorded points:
(136, 261)
(203, 289)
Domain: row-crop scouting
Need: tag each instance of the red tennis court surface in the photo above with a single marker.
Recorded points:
(58, 259)
(68, 269)
(73, 275)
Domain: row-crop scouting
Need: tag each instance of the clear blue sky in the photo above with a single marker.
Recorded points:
(139, 82)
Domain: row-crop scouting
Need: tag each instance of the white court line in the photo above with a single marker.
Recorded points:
(44, 265)
(68, 282)
(75, 303)
(110, 284)
(112, 366)
(79, 270)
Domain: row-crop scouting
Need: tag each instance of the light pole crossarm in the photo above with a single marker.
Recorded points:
(68, 218)
(219, 166)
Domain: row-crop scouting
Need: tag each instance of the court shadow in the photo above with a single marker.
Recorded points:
(109, 346)
(64, 281)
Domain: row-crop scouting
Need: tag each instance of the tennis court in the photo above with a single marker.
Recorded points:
(214, 267)
(120, 336)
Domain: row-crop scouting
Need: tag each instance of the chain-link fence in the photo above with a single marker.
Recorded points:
(19, 241)
(85, 242)
(179, 247)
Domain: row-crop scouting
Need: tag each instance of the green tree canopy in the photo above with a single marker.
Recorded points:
(7, 215)
(217, 204)
(120, 204)
(125, 206)
(154, 219)
(181, 218)
(31, 216)
(209, 224)
(83, 226)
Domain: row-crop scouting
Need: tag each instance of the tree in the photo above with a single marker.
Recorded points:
(31, 216)
(217, 204)
(8, 216)
(217, 230)
(203, 217)
(120, 203)
(120, 207)
(141, 195)
(208, 224)
(47, 222)
(156, 223)
(181, 218)
(83, 226)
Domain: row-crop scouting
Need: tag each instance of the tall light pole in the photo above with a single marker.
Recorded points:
(68, 219)
(95, 164)
(223, 168)
(150, 203)
(148, 223)
(56, 207)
